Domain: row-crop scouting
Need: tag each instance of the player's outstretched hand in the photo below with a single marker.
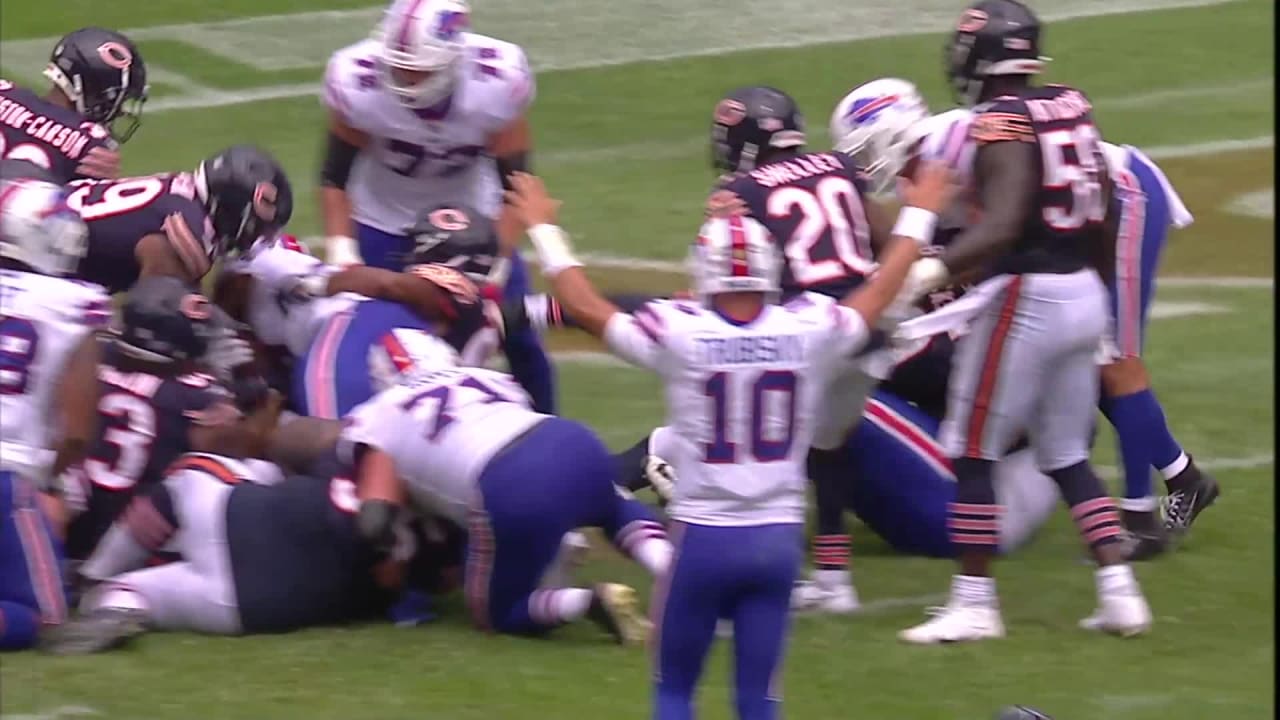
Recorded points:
(932, 188)
(723, 204)
(530, 201)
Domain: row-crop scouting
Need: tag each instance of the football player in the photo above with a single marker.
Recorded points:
(341, 327)
(48, 392)
(898, 481)
(1143, 207)
(155, 407)
(428, 112)
(746, 379)
(261, 553)
(180, 224)
(1042, 182)
(98, 82)
(465, 443)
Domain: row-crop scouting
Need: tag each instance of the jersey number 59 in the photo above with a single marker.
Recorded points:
(1078, 171)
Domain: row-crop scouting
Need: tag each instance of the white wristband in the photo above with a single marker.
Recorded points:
(554, 253)
(916, 223)
(342, 251)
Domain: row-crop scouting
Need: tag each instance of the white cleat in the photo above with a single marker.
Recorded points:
(956, 623)
(1126, 615)
(809, 596)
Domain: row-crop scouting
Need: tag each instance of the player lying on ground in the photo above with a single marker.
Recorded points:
(428, 113)
(329, 335)
(898, 480)
(48, 391)
(464, 443)
(745, 382)
(96, 78)
(155, 407)
(1144, 205)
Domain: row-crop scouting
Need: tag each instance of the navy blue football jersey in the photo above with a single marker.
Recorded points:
(121, 212)
(1062, 226)
(53, 137)
(145, 422)
(812, 204)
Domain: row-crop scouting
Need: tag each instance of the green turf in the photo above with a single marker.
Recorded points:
(625, 147)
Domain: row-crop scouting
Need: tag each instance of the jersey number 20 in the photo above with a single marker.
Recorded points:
(763, 448)
(832, 211)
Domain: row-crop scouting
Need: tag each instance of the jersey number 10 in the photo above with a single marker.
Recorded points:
(722, 450)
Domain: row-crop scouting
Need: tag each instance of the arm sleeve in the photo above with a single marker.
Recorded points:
(638, 339)
(526, 357)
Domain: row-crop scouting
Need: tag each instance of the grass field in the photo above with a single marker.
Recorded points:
(625, 91)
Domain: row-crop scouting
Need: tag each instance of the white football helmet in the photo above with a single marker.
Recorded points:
(735, 255)
(39, 229)
(876, 124)
(423, 39)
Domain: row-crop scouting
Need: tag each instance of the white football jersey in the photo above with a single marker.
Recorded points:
(744, 399)
(417, 157)
(947, 139)
(441, 429)
(42, 321)
(1120, 159)
(276, 315)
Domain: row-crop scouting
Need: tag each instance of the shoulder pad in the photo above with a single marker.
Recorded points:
(500, 71)
(1001, 120)
(349, 74)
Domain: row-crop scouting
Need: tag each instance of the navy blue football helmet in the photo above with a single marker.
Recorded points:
(101, 72)
(457, 236)
(165, 321)
(246, 194)
(992, 37)
(750, 121)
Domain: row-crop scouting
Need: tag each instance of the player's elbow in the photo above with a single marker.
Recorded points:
(339, 157)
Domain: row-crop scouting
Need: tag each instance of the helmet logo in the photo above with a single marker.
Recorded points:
(972, 20)
(451, 219)
(449, 24)
(195, 307)
(264, 201)
(115, 55)
(730, 112)
(868, 108)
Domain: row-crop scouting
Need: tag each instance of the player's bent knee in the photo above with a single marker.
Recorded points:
(1125, 376)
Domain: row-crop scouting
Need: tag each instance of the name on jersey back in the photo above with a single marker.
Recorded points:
(788, 171)
(749, 349)
(69, 141)
(1067, 106)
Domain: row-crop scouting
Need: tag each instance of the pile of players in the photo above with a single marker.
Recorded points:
(318, 442)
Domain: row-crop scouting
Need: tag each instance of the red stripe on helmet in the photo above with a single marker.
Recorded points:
(738, 248)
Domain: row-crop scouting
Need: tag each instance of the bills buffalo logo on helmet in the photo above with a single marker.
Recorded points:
(730, 112)
(195, 306)
(972, 20)
(451, 219)
(449, 24)
(115, 55)
(868, 108)
(264, 201)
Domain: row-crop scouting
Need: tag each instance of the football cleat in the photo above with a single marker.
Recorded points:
(956, 623)
(614, 608)
(1146, 536)
(102, 629)
(810, 596)
(1125, 614)
(1183, 506)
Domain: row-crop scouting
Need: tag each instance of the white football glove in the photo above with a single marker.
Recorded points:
(342, 251)
(661, 476)
(925, 276)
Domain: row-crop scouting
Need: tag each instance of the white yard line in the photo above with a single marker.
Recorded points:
(604, 33)
(1212, 147)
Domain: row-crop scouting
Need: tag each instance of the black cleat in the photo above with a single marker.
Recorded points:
(100, 630)
(1190, 492)
(1147, 537)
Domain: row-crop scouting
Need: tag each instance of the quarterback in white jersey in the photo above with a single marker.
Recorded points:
(745, 382)
(48, 349)
(423, 112)
(465, 444)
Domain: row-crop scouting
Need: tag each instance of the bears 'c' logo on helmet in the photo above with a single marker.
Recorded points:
(451, 219)
(972, 20)
(730, 112)
(115, 55)
(264, 201)
(195, 307)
